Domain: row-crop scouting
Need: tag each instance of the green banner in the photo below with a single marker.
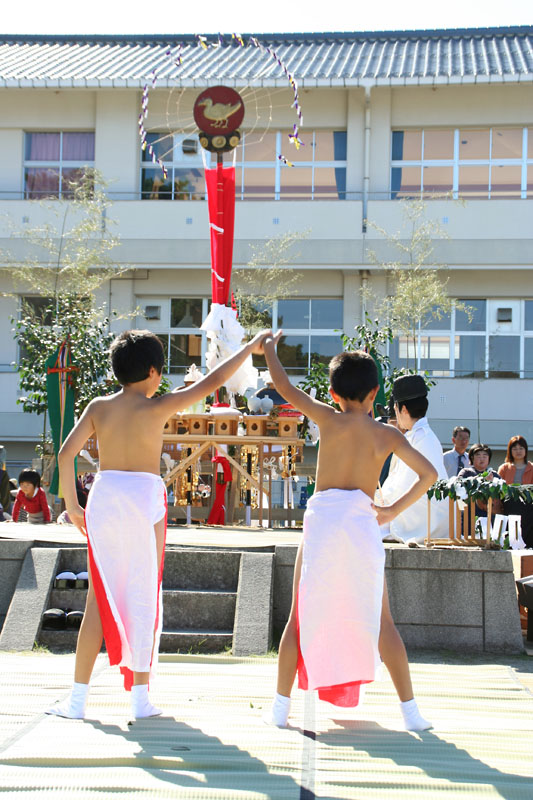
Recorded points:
(59, 380)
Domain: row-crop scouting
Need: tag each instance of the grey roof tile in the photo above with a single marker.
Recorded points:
(460, 55)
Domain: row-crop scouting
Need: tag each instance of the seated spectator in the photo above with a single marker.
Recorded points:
(480, 456)
(518, 470)
(455, 460)
(31, 498)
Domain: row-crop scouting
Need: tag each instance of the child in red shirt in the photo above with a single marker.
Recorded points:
(31, 498)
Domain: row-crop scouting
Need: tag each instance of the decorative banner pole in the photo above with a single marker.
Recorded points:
(59, 388)
(218, 112)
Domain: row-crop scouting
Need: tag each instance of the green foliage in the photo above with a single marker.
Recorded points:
(266, 278)
(69, 252)
(66, 259)
(39, 333)
(479, 487)
(318, 378)
(418, 289)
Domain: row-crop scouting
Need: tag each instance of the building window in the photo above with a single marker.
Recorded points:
(311, 331)
(182, 157)
(466, 162)
(318, 171)
(55, 162)
(472, 346)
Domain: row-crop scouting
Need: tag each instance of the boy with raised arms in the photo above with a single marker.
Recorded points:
(125, 517)
(340, 618)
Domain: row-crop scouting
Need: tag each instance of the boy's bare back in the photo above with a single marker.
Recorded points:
(129, 429)
(353, 448)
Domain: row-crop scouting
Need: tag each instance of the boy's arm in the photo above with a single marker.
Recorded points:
(181, 398)
(427, 475)
(314, 409)
(72, 445)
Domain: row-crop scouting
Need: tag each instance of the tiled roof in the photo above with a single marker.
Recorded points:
(470, 55)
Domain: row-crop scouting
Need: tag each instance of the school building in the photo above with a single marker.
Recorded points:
(446, 115)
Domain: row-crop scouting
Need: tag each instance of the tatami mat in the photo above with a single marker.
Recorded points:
(211, 743)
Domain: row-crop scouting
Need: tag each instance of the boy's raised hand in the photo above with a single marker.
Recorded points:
(258, 341)
(272, 339)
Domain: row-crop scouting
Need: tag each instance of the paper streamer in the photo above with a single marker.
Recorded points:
(176, 57)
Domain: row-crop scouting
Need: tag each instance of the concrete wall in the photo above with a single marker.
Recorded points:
(455, 599)
(12, 554)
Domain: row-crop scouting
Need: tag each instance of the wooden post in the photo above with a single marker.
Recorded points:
(458, 520)
(472, 518)
(451, 518)
(489, 523)
(428, 539)
(260, 456)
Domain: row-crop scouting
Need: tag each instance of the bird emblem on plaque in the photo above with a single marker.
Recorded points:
(218, 112)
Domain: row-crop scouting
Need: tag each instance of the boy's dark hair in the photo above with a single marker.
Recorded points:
(460, 429)
(133, 353)
(353, 374)
(416, 408)
(30, 476)
(479, 448)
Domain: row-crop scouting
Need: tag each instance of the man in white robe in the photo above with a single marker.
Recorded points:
(410, 404)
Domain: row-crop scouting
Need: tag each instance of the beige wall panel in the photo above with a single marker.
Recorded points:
(11, 157)
(8, 346)
(184, 219)
(355, 140)
(47, 109)
(380, 136)
(449, 106)
(197, 283)
(117, 150)
(475, 219)
(506, 283)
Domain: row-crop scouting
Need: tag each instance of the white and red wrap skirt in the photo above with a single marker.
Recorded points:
(122, 510)
(340, 595)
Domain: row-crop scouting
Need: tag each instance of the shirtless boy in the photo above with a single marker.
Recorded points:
(340, 613)
(125, 518)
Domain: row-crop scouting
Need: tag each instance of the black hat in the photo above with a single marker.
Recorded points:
(409, 387)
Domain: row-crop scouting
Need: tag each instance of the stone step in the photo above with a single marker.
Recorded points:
(201, 610)
(195, 641)
(173, 641)
(74, 599)
(201, 569)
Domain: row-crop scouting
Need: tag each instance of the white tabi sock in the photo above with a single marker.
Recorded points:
(413, 719)
(141, 705)
(279, 712)
(74, 706)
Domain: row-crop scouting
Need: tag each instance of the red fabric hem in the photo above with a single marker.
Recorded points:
(111, 633)
(346, 695)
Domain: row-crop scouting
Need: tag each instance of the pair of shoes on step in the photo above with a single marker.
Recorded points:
(71, 580)
(59, 619)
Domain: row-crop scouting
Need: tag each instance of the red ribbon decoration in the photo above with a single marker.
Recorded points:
(220, 185)
(217, 515)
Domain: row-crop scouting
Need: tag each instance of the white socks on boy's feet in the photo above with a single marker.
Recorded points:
(413, 719)
(141, 705)
(74, 706)
(279, 712)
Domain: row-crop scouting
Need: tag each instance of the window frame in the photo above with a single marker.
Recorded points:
(241, 163)
(485, 334)
(60, 164)
(524, 162)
